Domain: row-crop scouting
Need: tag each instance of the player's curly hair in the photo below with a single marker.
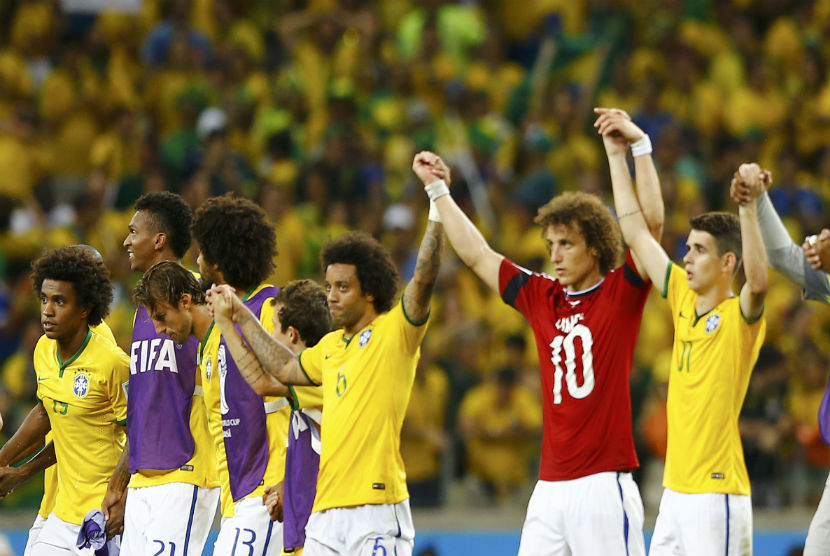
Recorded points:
(304, 306)
(594, 221)
(725, 227)
(169, 214)
(167, 282)
(87, 274)
(375, 270)
(234, 234)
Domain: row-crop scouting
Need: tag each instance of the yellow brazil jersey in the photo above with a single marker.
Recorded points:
(278, 410)
(712, 359)
(366, 381)
(85, 400)
(50, 476)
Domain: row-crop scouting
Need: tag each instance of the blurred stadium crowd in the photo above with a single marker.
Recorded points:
(315, 109)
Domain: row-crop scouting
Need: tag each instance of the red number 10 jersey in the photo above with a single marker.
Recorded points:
(586, 344)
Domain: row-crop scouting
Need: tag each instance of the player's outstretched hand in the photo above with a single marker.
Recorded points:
(113, 507)
(429, 168)
(10, 477)
(272, 499)
(617, 130)
(221, 302)
(817, 250)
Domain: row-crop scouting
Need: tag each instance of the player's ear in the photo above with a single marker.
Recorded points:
(160, 241)
(293, 334)
(185, 301)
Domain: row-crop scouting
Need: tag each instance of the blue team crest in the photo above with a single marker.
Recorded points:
(81, 385)
(712, 323)
(208, 369)
(364, 338)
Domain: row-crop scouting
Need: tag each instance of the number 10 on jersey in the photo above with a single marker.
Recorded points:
(565, 345)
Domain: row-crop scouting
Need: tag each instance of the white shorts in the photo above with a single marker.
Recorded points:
(368, 530)
(34, 532)
(250, 532)
(57, 538)
(174, 518)
(597, 514)
(818, 536)
(710, 523)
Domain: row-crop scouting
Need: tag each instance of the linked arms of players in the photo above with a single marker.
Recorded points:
(269, 365)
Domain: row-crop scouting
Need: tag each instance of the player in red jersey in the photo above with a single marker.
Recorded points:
(586, 323)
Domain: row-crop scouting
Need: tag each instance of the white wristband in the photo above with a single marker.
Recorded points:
(433, 212)
(437, 189)
(641, 147)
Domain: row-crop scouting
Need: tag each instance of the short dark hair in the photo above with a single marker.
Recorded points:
(376, 272)
(87, 274)
(725, 227)
(167, 282)
(234, 234)
(304, 307)
(169, 214)
(594, 221)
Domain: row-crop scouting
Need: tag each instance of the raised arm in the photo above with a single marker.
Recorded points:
(754, 290)
(784, 255)
(649, 256)
(622, 134)
(430, 168)
(649, 194)
(274, 360)
(466, 240)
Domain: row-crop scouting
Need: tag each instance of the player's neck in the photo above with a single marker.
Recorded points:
(586, 282)
(162, 257)
(69, 346)
(712, 297)
(364, 321)
(201, 321)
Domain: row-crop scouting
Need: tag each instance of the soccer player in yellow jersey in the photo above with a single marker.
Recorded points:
(366, 368)
(15, 451)
(706, 506)
(81, 377)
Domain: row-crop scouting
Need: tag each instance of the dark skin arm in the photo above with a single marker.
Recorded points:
(28, 438)
(116, 496)
(429, 168)
(12, 477)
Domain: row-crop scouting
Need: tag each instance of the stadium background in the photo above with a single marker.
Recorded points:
(315, 109)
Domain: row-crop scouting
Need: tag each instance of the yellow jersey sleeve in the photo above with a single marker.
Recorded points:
(306, 397)
(118, 385)
(311, 360)
(412, 332)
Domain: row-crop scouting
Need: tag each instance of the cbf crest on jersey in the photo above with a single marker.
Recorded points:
(364, 338)
(80, 387)
(712, 323)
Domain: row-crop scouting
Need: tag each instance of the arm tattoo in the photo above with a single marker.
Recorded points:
(627, 214)
(419, 290)
(271, 354)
